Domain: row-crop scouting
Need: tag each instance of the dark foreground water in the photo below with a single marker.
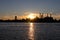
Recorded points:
(29, 31)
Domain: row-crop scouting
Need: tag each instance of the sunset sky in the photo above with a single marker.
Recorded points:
(10, 8)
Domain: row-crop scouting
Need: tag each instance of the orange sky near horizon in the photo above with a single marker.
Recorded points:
(26, 15)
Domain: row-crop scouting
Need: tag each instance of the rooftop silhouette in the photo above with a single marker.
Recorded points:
(41, 19)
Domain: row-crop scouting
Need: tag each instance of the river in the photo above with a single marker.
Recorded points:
(29, 31)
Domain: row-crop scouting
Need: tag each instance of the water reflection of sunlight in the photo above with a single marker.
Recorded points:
(31, 32)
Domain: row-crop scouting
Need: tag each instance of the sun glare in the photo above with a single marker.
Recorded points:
(31, 16)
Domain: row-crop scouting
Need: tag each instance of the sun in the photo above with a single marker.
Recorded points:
(31, 16)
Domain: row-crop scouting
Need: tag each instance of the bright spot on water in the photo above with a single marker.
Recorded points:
(31, 32)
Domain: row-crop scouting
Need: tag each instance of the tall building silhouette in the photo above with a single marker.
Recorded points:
(15, 17)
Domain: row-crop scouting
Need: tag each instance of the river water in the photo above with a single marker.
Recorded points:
(29, 31)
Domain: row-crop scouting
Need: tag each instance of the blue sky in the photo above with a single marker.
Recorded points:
(17, 7)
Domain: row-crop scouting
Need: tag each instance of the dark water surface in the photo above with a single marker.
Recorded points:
(29, 31)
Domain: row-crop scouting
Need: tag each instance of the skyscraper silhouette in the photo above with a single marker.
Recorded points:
(15, 17)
